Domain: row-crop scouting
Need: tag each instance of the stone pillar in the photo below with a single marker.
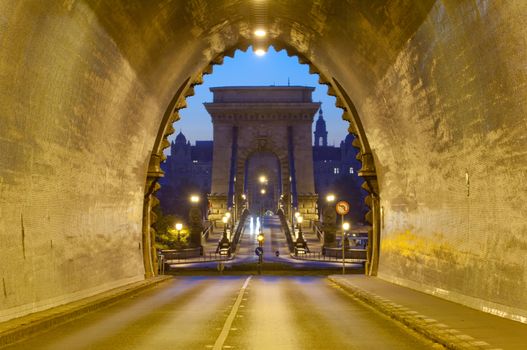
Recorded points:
(220, 170)
(305, 182)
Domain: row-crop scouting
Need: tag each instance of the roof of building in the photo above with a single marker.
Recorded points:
(180, 138)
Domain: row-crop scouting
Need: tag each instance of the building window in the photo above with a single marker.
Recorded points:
(336, 170)
(351, 170)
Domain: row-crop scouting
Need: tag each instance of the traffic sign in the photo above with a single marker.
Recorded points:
(258, 251)
(342, 208)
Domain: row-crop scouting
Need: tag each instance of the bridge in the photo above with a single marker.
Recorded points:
(433, 92)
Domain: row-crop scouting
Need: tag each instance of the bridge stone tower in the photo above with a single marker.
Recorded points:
(252, 120)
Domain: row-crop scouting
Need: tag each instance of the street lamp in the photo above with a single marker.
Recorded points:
(179, 226)
(194, 198)
(225, 219)
(345, 227)
(262, 179)
(262, 191)
(330, 198)
(299, 220)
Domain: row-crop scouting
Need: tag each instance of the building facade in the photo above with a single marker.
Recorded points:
(189, 169)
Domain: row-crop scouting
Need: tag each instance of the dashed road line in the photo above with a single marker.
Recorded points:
(218, 345)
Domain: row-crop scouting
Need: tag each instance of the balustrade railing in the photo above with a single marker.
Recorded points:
(286, 229)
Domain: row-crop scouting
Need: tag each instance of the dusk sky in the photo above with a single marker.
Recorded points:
(275, 68)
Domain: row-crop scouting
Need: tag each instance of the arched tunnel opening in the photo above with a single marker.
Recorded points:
(434, 92)
(256, 154)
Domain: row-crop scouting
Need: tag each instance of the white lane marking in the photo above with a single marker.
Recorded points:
(218, 345)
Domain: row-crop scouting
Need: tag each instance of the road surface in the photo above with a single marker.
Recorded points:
(232, 312)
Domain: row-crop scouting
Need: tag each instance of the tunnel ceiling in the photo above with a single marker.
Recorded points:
(359, 38)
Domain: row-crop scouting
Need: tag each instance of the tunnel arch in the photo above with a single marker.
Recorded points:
(349, 115)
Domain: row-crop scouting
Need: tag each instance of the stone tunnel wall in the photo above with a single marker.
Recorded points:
(448, 124)
(76, 129)
(440, 87)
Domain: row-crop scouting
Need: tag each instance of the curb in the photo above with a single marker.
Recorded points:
(23, 327)
(426, 326)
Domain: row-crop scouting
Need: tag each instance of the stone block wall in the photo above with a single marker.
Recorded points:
(447, 125)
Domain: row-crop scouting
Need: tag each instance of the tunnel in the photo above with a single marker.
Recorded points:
(434, 90)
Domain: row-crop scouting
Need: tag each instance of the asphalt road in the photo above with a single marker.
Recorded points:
(233, 312)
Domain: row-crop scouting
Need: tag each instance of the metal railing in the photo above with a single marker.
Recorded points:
(208, 229)
(287, 229)
(350, 256)
(239, 228)
(318, 231)
(165, 260)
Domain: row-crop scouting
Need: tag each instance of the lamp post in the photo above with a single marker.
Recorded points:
(228, 216)
(225, 220)
(262, 192)
(295, 218)
(299, 221)
(345, 227)
(179, 226)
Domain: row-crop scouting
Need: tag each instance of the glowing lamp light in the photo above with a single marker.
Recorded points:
(260, 237)
(179, 226)
(194, 198)
(224, 219)
(299, 219)
(262, 179)
(330, 198)
(346, 226)
(259, 52)
(260, 33)
(262, 191)
(244, 196)
(228, 215)
(297, 214)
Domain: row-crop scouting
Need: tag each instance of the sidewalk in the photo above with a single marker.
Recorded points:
(453, 325)
(29, 325)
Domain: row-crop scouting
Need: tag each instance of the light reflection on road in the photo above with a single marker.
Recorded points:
(254, 228)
